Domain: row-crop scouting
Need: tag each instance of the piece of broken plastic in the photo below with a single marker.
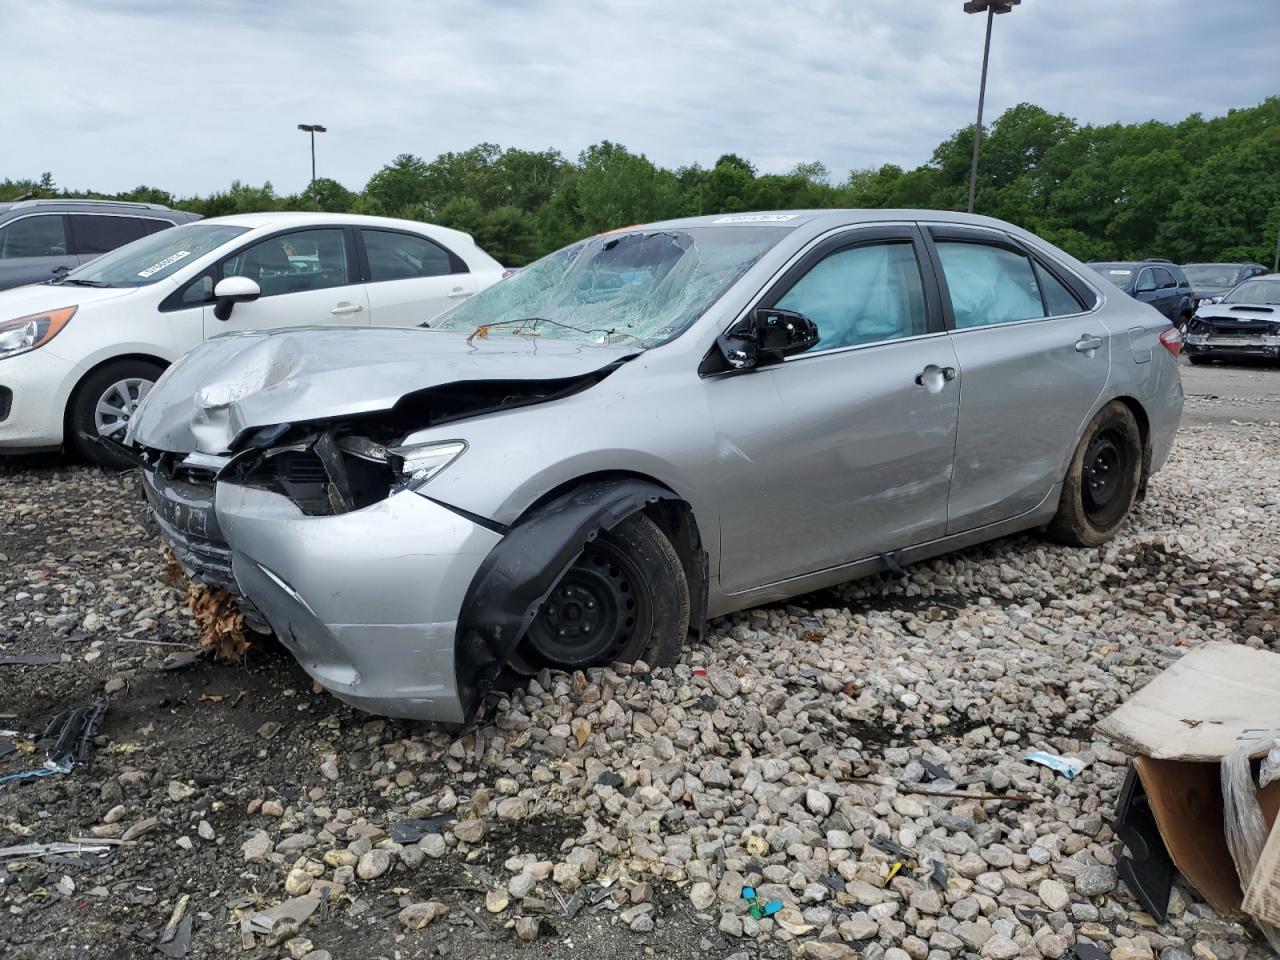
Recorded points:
(1069, 767)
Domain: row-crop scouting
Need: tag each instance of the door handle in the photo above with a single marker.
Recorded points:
(344, 308)
(458, 293)
(1087, 344)
(934, 377)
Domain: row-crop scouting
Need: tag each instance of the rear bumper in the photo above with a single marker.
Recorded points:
(367, 601)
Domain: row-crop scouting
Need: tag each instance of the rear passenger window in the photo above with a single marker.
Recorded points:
(98, 233)
(1164, 279)
(1058, 300)
(40, 236)
(989, 285)
(862, 294)
(400, 256)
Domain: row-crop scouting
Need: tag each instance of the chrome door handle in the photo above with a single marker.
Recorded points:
(344, 308)
(1088, 344)
(934, 377)
(458, 293)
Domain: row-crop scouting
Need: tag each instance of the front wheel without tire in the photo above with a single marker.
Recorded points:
(1102, 481)
(103, 405)
(625, 598)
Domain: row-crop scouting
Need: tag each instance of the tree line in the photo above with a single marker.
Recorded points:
(1193, 190)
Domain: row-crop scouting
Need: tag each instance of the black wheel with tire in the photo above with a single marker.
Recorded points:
(1102, 481)
(103, 404)
(625, 598)
(1200, 360)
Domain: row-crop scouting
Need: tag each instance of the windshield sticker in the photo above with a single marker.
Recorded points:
(1120, 273)
(758, 218)
(166, 262)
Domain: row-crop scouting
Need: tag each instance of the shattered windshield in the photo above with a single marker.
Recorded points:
(1256, 291)
(641, 288)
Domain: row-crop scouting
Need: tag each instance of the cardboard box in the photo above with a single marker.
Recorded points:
(1204, 707)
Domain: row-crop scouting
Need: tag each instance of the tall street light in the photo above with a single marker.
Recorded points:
(990, 8)
(314, 128)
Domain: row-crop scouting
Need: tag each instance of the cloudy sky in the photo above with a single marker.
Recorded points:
(187, 97)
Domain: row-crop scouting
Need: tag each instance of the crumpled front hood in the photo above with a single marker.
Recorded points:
(238, 382)
(1239, 313)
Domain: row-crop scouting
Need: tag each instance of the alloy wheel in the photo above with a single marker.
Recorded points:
(117, 405)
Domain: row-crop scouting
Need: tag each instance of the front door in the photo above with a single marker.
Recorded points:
(307, 278)
(843, 452)
(412, 280)
(1033, 362)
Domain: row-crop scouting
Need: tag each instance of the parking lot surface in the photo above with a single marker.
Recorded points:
(620, 813)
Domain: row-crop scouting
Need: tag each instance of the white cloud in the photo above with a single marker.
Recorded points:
(189, 97)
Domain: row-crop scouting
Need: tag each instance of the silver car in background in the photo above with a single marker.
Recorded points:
(647, 429)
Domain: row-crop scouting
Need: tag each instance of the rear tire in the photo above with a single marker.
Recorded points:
(103, 404)
(1102, 481)
(625, 598)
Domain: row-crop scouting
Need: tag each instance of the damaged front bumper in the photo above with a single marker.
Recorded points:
(367, 601)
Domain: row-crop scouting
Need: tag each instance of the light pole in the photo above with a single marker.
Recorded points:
(990, 8)
(314, 128)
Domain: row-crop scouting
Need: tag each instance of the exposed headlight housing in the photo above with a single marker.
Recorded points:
(419, 462)
(31, 332)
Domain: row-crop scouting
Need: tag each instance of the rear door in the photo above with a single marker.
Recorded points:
(308, 277)
(33, 247)
(843, 452)
(1032, 360)
(94, 234)
(1168, 296)
(411, 278)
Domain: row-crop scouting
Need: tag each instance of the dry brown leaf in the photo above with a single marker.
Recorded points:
(172, 574)
(221, 623)
(212, 697)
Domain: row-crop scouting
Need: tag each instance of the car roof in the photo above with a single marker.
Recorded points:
(830, 218)
(73, 203)
(283, 219)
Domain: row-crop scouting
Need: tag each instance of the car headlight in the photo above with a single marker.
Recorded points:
(419, 462)
(27, 333)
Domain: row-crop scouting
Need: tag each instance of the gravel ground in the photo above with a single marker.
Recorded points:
(281, 823)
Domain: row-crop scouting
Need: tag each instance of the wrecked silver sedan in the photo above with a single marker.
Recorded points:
(647, 429)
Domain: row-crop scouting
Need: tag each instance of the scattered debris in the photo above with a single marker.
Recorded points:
(757, 909)
(30, 659)
(1069, 767)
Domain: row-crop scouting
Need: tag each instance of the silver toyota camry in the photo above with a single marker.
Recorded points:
(646, 429)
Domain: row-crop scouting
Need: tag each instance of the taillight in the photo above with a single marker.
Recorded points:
(1171, 339)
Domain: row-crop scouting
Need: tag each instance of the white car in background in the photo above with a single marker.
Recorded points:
(78, 354)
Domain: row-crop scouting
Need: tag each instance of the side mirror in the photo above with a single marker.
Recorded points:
(1148, 287)
(233, 290)
(766, 335)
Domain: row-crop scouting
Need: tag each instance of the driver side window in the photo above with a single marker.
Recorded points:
(294, 262)
(862, 294)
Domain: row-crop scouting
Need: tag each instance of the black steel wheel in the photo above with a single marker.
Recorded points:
(1102, 480)
(624, 598)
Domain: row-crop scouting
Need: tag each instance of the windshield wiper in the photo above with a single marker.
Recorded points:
(81, 282)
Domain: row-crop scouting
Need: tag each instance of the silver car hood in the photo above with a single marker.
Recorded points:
(241, 381)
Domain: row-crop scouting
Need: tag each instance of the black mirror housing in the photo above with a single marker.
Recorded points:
(767, 335)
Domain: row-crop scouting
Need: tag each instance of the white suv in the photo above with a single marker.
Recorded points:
(79, 353)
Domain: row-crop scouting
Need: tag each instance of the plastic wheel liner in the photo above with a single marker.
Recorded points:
(518, 574)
